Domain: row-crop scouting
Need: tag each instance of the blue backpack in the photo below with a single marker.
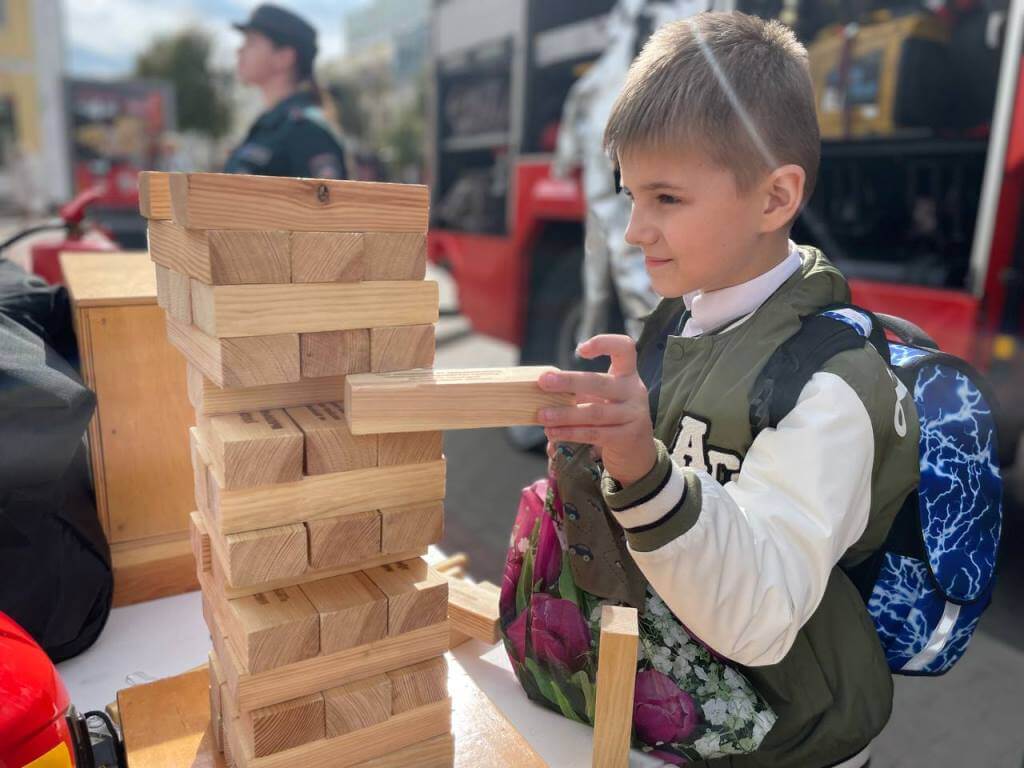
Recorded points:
(928, 585)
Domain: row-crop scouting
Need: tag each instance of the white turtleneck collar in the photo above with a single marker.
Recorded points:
(716, 309)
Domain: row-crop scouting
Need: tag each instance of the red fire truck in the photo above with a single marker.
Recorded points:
(920, 189)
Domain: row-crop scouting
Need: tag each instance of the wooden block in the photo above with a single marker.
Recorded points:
(267, 554)
(418, 684)
(353, 611)
(329, 445)
(216, 712)
(395, 256)
(319, 496)
(334, 353)
(401, 348)
(417, 596)
(233, 201)
(344, 539)
(221, 257)
(239, 362)
(327, 257)
(278, 727)
(253, 448)
(357, 705)
(363, 747)
(209, 399)
(154, 195)
(473, 610)
(616, 678)
(179, 297)
(414, 401)
(199, 472)
(201, 547)
(229, 310)
(274, 628)
(411, 527)
(410, 448)
(163, 287)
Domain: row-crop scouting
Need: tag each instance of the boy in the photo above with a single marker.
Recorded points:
(716, 140)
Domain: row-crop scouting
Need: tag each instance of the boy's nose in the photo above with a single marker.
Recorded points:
(639, 233)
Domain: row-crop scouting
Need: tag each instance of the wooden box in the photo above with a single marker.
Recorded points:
(138, 438)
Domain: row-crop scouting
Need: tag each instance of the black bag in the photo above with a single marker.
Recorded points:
(55, 571)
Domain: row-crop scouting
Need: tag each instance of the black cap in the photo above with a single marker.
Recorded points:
(283, 27)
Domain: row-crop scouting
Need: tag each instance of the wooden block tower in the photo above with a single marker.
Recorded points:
(328, 626)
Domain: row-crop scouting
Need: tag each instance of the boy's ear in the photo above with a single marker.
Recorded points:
(783, 193)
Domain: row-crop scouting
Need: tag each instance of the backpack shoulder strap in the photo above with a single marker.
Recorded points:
(823, 335)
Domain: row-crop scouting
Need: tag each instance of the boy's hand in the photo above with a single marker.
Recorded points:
(611, 410)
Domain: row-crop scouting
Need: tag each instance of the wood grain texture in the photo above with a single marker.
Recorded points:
(335, 353)
(154, 195)
(616, 678)
(327, 257)
(413, 401)
(234, 201)
(357, 705)
(412, 526)
(179, 296)
(209, 399)
(344, 539)
(151, 570)
(218, 580)
(401, 348)
(103, 279)
(278, 727)
(418, 684)
(353, 611)
(274, 628)
(319, 496)
(227, 310)
(395, 256)
(329, 445)
(253, 448)
(241, 362)
(267, 554)
(410, 448)
(417, 595)
(163, 286)
(244, 257)
(473, 609)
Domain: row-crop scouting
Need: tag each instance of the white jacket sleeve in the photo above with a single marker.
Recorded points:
(753, 566)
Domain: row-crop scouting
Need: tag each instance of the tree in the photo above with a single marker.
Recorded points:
(184, 60)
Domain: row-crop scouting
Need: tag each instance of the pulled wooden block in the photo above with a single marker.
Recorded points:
(330, 446)
(154, 195)
(473, 610)
(334, 353)
(278, 727)
(353, 611)
(616, 679)
(410, 448)
(238, 362)
(253, 448)
(319, 496)
(327, 257)
(234, 201)
(344, 539)
(226, 311)
(395, 256)
(414, 401)
(418, 684)
(401, 348)
(221, 257)
(209, 399)
(357, 705)
(267, 554)
(417, 595)
(413, 526)
(274, 628)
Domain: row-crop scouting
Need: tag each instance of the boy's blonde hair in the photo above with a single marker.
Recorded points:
(732, 85)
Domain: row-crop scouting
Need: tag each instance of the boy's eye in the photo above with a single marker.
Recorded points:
(667, 199)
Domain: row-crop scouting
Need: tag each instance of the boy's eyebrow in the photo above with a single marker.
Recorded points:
(656, 185)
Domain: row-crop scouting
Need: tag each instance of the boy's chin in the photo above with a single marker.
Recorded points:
(668, 288)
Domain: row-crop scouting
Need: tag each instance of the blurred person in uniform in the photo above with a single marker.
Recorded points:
(610, 263)
(293, 136)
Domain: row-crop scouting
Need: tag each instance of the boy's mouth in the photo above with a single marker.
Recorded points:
(652, 262)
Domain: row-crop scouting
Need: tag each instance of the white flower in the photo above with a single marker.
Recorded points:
(681, 668)
(661, 659)
(734, 679)
(708, 745)
(699, 672)
(715, 711)
(763, 722)
(656, 607)
(741, 707)
(595, 614)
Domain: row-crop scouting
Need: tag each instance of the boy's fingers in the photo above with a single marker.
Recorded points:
(620, 348)
(589, 434)
(603, 414)
(600, 385)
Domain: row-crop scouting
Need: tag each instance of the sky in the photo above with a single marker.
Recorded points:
(104, 36)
